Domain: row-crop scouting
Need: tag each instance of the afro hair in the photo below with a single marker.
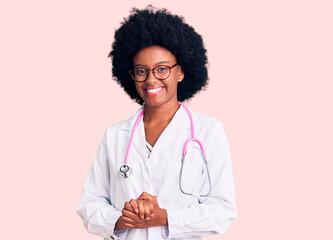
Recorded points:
(153, 27)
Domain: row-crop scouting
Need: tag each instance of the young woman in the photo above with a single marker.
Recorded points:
(165, 173)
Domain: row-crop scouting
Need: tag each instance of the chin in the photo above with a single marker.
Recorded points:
(153, 103)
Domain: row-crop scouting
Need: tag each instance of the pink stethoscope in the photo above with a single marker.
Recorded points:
(126, 170)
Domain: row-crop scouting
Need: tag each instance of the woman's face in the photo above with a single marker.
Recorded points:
(155, 92)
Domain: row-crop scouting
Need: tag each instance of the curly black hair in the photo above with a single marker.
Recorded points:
(149, 27)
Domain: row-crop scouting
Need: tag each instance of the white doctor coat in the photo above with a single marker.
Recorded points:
(104, 192)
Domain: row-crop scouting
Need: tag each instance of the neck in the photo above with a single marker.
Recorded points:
(160, 114)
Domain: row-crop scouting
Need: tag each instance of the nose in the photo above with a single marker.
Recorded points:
(151, 76)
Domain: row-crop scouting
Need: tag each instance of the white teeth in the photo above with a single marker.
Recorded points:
(155, 90)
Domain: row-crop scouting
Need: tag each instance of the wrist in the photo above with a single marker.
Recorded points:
(118, 225)
(164, 217)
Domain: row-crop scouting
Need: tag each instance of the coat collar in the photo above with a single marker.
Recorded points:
(181, 119)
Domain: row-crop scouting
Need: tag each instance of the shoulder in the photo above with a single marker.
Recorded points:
(206, 121)
(211, 132)
(122, 125)
(209, 129)
(125, 125)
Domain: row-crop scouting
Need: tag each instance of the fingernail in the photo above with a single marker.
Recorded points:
(148, 218)
(137, 210)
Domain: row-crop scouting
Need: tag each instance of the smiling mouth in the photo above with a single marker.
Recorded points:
(153, 91)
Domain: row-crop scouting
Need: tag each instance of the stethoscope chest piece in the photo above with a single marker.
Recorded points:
(125, 171)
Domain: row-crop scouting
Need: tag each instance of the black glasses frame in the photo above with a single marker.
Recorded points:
(153, 69)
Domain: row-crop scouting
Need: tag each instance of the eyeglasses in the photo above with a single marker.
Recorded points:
(161, 72)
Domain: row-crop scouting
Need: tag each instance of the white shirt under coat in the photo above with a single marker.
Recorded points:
(104, 192)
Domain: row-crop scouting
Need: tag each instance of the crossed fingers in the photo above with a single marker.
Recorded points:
(144, 208)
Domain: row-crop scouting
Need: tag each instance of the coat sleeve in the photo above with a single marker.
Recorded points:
(95, 206)
(215, 213)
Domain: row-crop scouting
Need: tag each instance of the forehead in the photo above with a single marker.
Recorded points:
(153, 55)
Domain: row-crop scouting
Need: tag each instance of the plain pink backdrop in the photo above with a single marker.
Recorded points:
(270, 84)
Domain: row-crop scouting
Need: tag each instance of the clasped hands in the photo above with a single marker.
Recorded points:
(144, 212)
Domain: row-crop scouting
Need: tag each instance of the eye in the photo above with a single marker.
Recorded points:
(140, 71)
(161, 69)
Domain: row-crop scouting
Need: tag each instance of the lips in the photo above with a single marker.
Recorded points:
(154, 91)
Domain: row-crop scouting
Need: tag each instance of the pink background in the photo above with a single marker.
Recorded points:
(271, 85)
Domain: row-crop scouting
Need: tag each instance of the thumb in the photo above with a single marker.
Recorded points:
(146, 196)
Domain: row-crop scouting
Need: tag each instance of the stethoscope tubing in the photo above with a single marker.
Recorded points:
(193, 138)
(132, 135)
(126, 171)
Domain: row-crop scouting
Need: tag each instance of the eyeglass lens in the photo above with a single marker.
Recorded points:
(161, 72)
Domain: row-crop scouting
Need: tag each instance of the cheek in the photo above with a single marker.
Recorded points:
(175, 81)
(178, 77)
(138, 89)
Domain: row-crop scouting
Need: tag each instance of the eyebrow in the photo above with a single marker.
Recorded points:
(159, 63)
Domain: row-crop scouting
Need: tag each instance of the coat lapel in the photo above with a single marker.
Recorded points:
(138, 142)
(173, 139)
(170, 134)
(168, 138)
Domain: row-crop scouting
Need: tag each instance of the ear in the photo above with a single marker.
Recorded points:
(181, 74)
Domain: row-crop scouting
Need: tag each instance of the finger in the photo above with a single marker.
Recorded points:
(129, 223)
(145, 195)
(129, 207)
(134, 205)
(141, 209)
(130, 214)
(129, 220)
(147, 210)
(151, 208)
